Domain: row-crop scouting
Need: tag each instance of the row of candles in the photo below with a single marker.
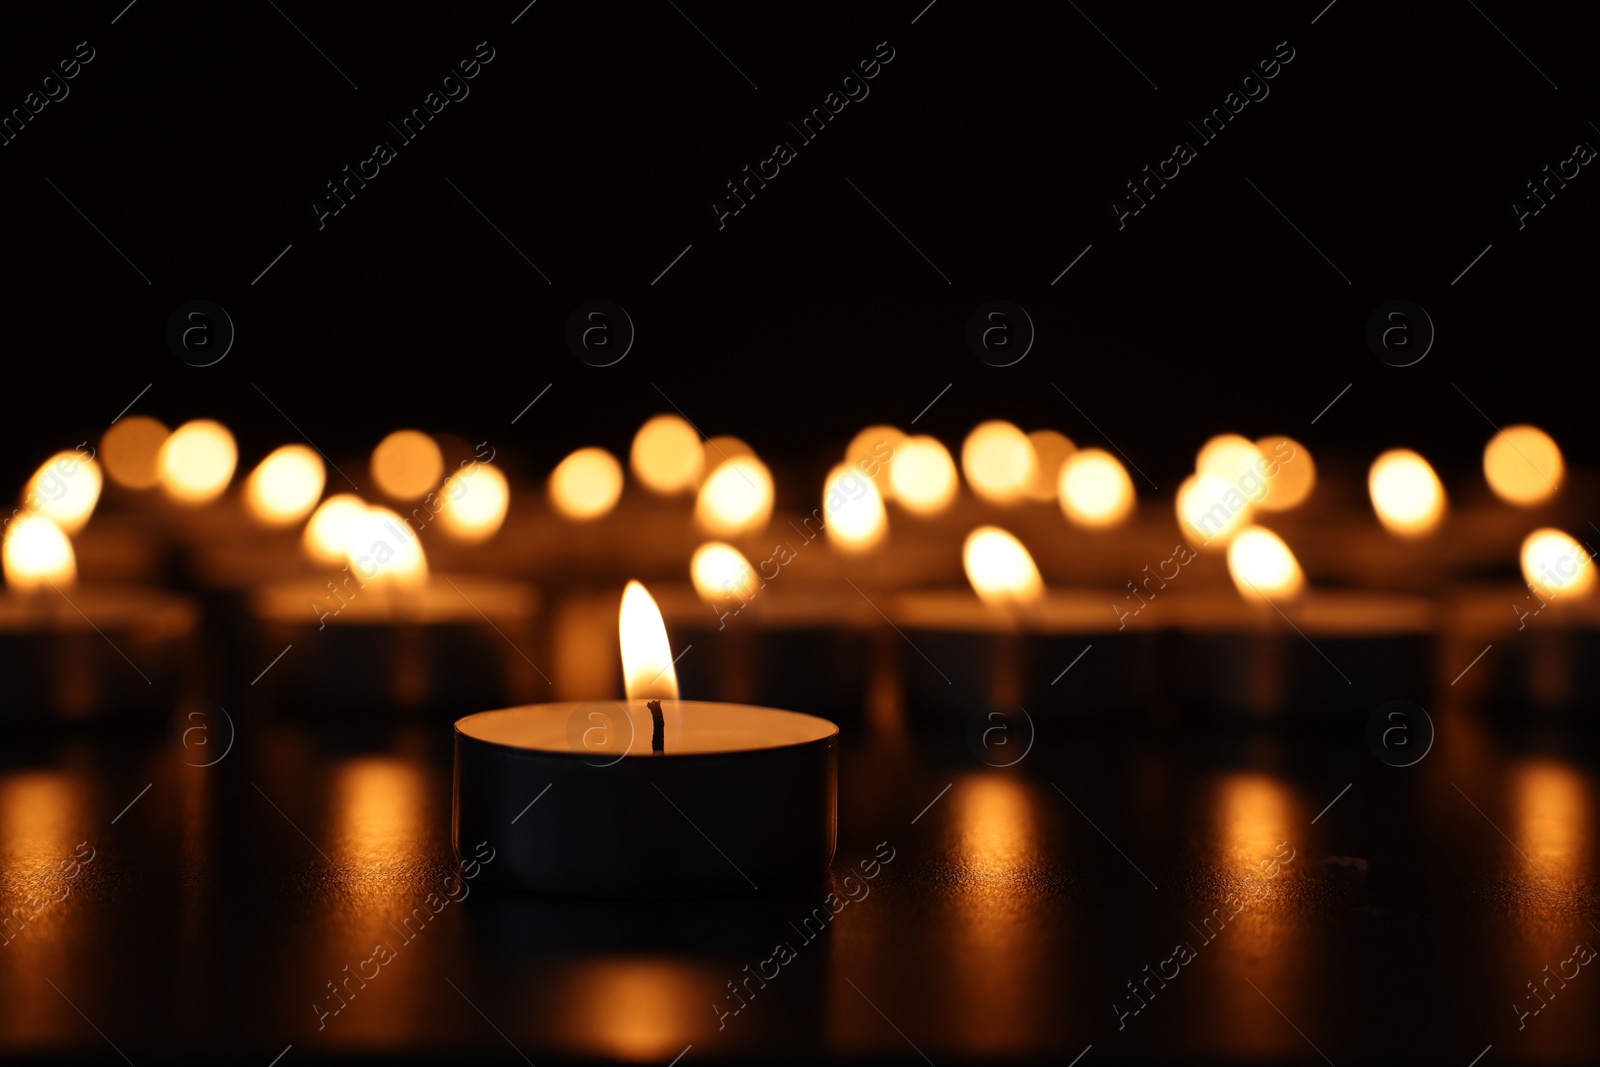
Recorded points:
(384, 580)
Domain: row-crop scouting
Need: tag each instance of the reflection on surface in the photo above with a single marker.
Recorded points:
(378, 802)
(1550, 810)
(632, 1008)
(1254, 813)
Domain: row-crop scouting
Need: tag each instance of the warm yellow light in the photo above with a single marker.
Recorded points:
(1296, 475)
(37, 554)
(1094, 489)
(999, 567)
(718, 450)
(998, 460)
(1228, 456)
(587, 484)
(130, 450)
(666, 455)
(647, 671)
(1050, 451)
(1556, 564)
(872, 451)
(923, 476)
(407, 464)
(1262, 566)
(736, 499)
(720, 571)
(383, 550)
(197, 461)
(64, 489)
(332, 524)
(852, 510)
(1211, 510)
(1406, 494)
(285, 486)
(475, 503)
(1523, 465)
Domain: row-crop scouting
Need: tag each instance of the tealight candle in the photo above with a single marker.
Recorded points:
(651, 796)
(80, 652)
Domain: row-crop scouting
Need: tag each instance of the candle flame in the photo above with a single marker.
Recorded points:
(475, 503)
(999, 567)
(65, 490)
(923, 476)
(197, 461)
(1554, 563)
(1229, 456)
(285, 486)
(1211, 510)
(1262, 566)
(736, 499)
(873, 451)
(1294, 478)
(720, 571)
(382, 550)
(407, 464)
(37, 553)
(1523, 465)
(328, 533)
(647, 670)
(1406, 493)
(587, 484)
(666, 455)
(131, 449)
(1095, 490)
(999, 461)
(1050, 450)
(853, 510)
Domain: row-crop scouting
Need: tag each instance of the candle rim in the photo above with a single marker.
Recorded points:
(825, 737)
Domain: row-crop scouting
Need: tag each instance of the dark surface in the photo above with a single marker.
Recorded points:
(1004, 927)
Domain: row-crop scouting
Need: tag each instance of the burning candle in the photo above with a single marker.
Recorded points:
(76, 651)
(385, 633)
(651, 796)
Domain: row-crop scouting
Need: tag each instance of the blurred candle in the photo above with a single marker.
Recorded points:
(65, 490)
(285, 487)
(1523, 465)
(1095, 490)
(131, 451)
(736, 499)
(923, 476)
(407, 464)
(1050, 450)
(475, 503)
(586, 485)
(1406, 493)
(327, 534)
(1294, 476)
(998, 461)
(666, 455)
(197, 462)
(854, 515)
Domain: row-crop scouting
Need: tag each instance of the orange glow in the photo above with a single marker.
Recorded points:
(1406, 494)
(1094, 489)
(720, 571)
(852, 510)
(328, 533)
(1050, 451)
(1262, 566)
(632, 1009)
(736, 499)
(647, 670)
(1296, 476)
(1550, 811)
(1523, 465)
(1555, 564)
(998, 460)
(407, 464)
(718, 450)
(379, 802)
(130, 450)
(197, 462)
(994, 824)
(1254, 814)
(666, 455)
(587, 484)
(285, 486)
(1211, 510)
(383, 550)
(475, 503)
(923, 476)
(36, 554)
(999, 567)
(1228, 456)
(872, 452)
(64, 490)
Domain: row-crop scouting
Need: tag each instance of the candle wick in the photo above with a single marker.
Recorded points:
(658, 726)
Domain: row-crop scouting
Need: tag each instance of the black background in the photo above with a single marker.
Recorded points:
(596, 140)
